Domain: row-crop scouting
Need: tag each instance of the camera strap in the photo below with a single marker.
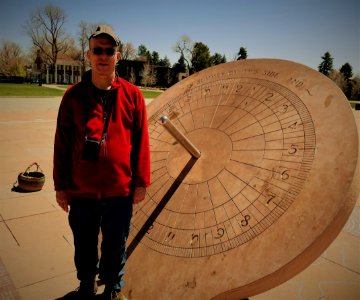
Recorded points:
(107, 114)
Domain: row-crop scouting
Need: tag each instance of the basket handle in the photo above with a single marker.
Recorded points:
(33, 164)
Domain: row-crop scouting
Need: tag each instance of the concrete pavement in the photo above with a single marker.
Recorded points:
(36, 252)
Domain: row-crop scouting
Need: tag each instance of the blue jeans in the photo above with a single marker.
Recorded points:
(86, 217)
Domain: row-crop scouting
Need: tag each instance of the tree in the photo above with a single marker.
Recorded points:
(127, 51)
(45, 28)
(338, 79)
(326, 65)
(200, 58)
(164, 62)
(144, 53)
(242, 54)
(346, 71)
(185, 47)
(148, 75)
(217, 59)
(355, 95)
(86, 29)
(155, 58)
(11, 60)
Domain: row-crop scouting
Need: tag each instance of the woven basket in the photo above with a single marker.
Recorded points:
(31, 181)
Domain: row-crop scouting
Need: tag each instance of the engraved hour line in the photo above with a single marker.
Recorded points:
(233, 88)
(158, 169)
(268, 132)
(235, 109)
(246, 185)
(197, 197)
(279, 173)
(265, 169)
(271, 106)
(218, 104)
(181, 124)
(162, 141)
(180, 209)
(249, 112)
(166, 181)
(255, 97)
(274, 185)
(252, 204)
(212, 204)
(225, 208)
(273, 113)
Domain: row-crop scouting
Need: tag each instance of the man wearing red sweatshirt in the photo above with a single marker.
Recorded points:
(101, 165)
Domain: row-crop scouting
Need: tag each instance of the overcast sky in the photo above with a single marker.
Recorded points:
(297, 30)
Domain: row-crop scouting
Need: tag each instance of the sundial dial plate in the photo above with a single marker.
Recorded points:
(271, 135)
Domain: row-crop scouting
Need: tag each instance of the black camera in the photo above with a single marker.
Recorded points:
(91, 150)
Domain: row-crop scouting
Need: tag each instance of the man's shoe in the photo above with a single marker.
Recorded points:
(86, 291)
(113, 295)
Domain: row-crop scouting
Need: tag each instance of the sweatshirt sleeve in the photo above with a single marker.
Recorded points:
(62, 146)
(140, 156)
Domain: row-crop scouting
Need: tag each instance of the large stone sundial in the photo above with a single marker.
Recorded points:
(272, 181)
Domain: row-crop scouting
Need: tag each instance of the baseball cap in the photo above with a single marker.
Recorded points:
(105, 30)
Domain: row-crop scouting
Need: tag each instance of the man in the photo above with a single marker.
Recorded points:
(101, 165)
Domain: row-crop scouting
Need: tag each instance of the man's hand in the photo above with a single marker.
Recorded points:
(139, 194)
(63, 200)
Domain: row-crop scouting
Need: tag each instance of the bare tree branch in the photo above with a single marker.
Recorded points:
(45, 28)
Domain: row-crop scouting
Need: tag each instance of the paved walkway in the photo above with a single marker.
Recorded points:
(36, 252)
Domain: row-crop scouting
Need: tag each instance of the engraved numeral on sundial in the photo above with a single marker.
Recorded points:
(245, 221)
(270, 198)
(225, 87)
(244, 103)
(194, 239)
(238, 88)
(220, 233)
(285, 175)
(169, 237)
(293, 149)
(284, 108)
(293, 125)
(269, 97)
(252, 91)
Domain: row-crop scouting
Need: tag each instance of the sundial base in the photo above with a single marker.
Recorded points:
(274, 184)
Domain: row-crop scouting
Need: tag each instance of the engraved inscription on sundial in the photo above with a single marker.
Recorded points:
(269, 187)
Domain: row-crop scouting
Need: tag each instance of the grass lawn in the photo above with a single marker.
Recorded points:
(30, 90)
(33, 90)
(150, 94)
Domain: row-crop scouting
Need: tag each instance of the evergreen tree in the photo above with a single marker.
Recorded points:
(326, 65)
(200, 57)
(155, 58)
(242, 53)
(144, 52)
(346, 71)
(217, 59)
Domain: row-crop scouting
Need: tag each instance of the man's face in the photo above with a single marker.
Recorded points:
(100, 55)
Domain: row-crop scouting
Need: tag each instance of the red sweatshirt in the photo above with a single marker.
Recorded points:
(124, 158)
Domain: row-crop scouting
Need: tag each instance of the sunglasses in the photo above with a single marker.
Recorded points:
(100, 51)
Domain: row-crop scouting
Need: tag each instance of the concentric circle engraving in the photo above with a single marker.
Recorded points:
(257, 141)
(217, 149)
